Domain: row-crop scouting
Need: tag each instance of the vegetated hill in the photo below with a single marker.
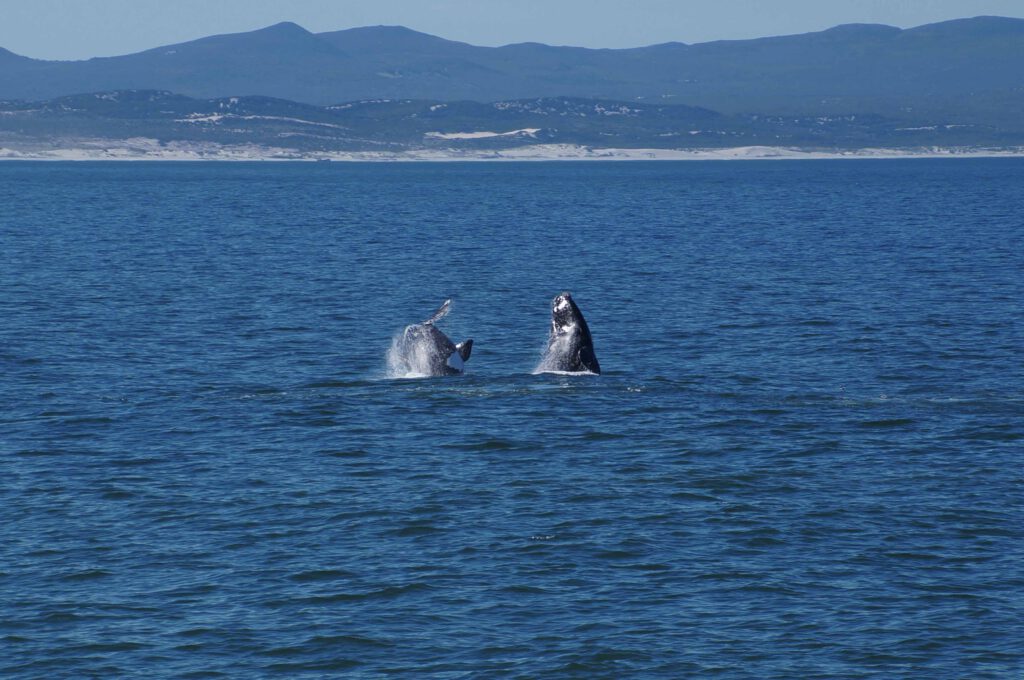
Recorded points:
(396, 125)
(283, 60)
(968, 70)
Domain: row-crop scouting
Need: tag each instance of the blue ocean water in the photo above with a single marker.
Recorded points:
(803, 458)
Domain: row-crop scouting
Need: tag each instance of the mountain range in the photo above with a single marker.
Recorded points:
(963, 64)
(852, 84)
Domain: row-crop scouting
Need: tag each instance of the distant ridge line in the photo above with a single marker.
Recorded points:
(961, 72)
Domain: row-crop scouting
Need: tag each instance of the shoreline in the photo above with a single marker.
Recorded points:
(152, 150)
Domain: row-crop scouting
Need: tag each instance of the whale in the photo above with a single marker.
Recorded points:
(570, 348)
(422, 349)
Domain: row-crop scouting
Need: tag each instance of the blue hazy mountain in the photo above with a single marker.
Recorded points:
(968, 70)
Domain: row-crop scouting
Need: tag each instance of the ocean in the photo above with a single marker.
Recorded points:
(802, 458)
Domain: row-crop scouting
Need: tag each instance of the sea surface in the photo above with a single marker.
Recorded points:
(803, 458)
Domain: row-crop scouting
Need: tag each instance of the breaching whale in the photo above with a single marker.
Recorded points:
(422, 349)
(570, 347)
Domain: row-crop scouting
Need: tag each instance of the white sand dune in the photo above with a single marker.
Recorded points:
(144, 149)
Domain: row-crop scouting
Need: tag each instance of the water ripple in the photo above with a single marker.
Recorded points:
(802, 459)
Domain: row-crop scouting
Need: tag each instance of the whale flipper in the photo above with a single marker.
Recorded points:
(441, 312)
(459, 356)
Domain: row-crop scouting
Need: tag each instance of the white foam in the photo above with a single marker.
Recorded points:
(558, 346)
(411, 357)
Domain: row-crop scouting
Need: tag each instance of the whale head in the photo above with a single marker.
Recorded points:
(565, 315)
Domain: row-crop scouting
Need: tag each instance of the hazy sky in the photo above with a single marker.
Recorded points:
(78, 29)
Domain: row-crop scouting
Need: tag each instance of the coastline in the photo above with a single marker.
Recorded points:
(144, 149)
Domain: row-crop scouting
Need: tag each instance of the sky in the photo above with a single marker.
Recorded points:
(79, 29)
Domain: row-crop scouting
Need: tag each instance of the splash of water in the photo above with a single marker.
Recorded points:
(553, 358)
(411, 355)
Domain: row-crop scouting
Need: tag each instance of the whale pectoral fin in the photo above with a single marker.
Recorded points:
(465, 348)
(441, 312)
(589, 360)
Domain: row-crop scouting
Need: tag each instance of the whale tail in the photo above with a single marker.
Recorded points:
(441, 312)
(465, 348)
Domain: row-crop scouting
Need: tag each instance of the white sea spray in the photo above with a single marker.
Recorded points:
(410, 355)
